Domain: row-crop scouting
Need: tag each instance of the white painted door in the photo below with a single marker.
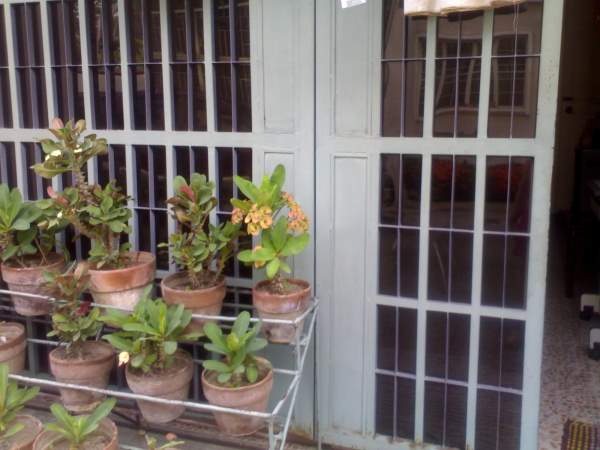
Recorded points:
(434, 160)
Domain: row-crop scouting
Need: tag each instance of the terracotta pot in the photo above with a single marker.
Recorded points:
(207, 301)
(281, 306)
(92, 370)
(51, 440)
(172, 384)
(12, 351)
(123, 287)
(23, 440)
(249, 398)
(31, 280)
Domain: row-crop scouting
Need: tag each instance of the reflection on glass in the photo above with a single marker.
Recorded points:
(386, 337)
(223, 97)
(142, 196)
(389, 189)
(384, 405)
(414, 80)
(391, 94)
(222, 44)
(243, 97)
(405, 408)
(393, 32)
(180, 96)
(159, 176)
(445, 414)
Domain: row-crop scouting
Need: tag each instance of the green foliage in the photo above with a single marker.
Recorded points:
(281, 235)
(12, 400)
(151, 333)
(77, 429)
(237, 364)
(73, 322)
(202, 249)
(101, 214)
(20, 233)
(152, 444)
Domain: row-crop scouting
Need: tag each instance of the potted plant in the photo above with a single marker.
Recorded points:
(237, 379)
(117, 276)
(152, 443)
(26, 250)
(199, 248)
(78, 360)
(17, 432)
(279, 236)
(149, 347)
(90, 432)
(13, 342)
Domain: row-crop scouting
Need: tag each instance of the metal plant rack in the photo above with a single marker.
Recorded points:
(277, 420)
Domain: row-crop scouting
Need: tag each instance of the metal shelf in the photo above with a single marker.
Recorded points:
(278, 415)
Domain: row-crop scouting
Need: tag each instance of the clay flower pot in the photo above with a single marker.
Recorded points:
(92, 370)
(281, 306)
(23, 440)
(254, 397)
(106, 437)
(123, 287)
(207, 301)
(172, 383)
(13, 342)
(31, 280)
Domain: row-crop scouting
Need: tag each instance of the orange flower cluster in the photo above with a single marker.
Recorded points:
(257, 218)
(297, 220)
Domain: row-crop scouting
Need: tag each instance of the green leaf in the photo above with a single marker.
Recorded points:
(273, 268)
(251, 374)
(240, 326)
(215, 349)
(102, 411)
(13, 430)
(278, 176)
(224, 378)
(256, 344)
(246, 256)
(279, 233)
(295, 245)
(170, 347)
(216, 366)
(247, 188)
(214, 333)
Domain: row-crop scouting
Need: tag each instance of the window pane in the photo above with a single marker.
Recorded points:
(138, 80)
(242, 30)
(414, 79)
(393, 29)
(178, 30)
(405, 408)
(386, 337)
(411, 190)
(409, 263)
(199, 97)
(243, 97)
(223, 97)
(388, 263)
(390, 188)
(221, 30)
(384, 405)
(180, 96)
(391, 93)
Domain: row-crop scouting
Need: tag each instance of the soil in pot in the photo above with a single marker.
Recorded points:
(172, 383)
(177, 289)
(30, 279)
(91, 367)
(123, 287)
(23, 440)
(274, 305)
(13, 342)
(253, 397)
(104, 438)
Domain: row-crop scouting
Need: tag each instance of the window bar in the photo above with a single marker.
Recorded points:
(105, 30)
(450, 231)
(233, 73)
(68, 68)
(505, 234)
(486, 70)
(189, 53)
(125, 83)
(30, 51)
(447, 355)
(151, 197)
(165, 48)
(395, 413)
(207, 9)
(145, 16)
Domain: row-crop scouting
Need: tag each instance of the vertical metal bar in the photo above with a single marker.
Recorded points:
(232, 66)
(189, 68)
(131, 191)
(33, 93)
(50, 99)
(428, 108)
(16, 106)
(170, 174)
(165, 46)
(208, 15)
(105, 10)
(84, 37)
(486, 71)
(125, 74)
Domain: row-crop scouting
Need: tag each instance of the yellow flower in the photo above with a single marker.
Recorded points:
(78, 149)
(237, 216)
(123, 358)
(253, 229)
(56, 153)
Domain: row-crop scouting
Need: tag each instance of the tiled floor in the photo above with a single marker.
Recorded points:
(570, 380)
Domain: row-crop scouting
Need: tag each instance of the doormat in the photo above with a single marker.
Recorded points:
(580, 436)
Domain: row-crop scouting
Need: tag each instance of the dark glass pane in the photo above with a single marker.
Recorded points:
(39, 92)
(57, 27)
(471, 33)
(461, 267)
(390, 186)
(513, 347)
(138, 93)
(223, 97)
(242, 30)
(25, 100)
(222, 47)
(459, 332)
(116, 102)
(182, 161)
(3, 53)
(36, 34)
(414, 73)
(94, 24)
(112, 22)
(411, 190)
(162, 235)
(98, 76)
(199, 97)
(143, 230)
(77, 80)
(178, 30)
(445, 97)
(388, 262)
(448, 30)
(243, 97)
(154, 49)
(517, 258)
(20, 30)
(490, 341)
(159, 176)
(525, 97)
(407, 340)
(501, 97)
(180, 96)
(71, 9)
(469, 76)
(197, 22)
(437, 335)
(529, 28)
(486, 427)
(386, 337)
(438, 273)
(156, 96)
(8, 171)
(456, 417)
(6, 120)
(464, 192)
(393, 32)
(519, 208)
(136, 36)
(142, 175)
(244, 164)
(409, 263)
(492, 278)
(416, 37)
(200, 160)
(509, 436)
(442, 174)
(62, 91)
(103, 169)
(225, 177)
(504, 31)
(405, 408)
(391, 94)
(433, 431)
(384, 405)
(244, 271)
(496, 193)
